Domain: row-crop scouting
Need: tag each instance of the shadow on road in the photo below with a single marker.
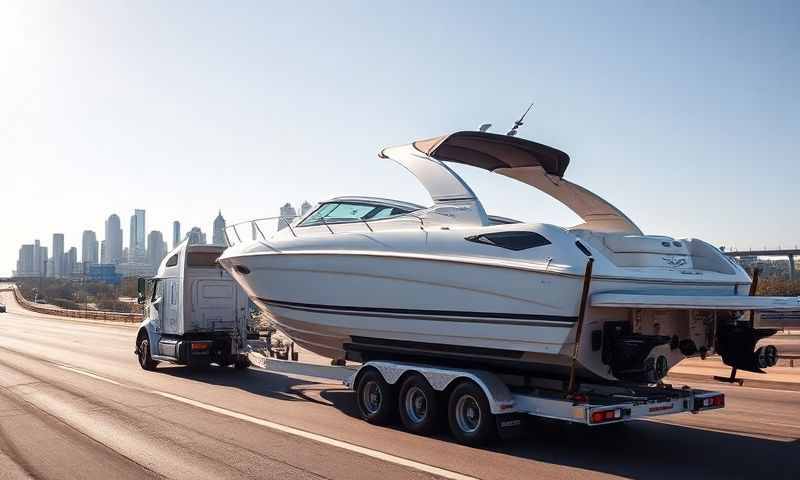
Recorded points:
(640, 449)
(258, 382)
(637, 449)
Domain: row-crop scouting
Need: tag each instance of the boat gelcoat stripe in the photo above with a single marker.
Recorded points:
(436, 315)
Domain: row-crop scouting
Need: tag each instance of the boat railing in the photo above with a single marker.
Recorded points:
(260, 228)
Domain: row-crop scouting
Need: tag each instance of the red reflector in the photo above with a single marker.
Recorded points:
(199, 346)
(606, 415)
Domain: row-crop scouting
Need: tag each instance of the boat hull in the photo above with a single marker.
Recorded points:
(341, 305)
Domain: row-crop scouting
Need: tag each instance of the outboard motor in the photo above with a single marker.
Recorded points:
(629, 354)
(736, 343)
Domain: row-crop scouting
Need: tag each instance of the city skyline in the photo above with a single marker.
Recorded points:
(91, 246)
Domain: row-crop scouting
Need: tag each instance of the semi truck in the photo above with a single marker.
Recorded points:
(194, 313)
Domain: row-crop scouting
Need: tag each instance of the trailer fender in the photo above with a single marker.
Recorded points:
(440, 378)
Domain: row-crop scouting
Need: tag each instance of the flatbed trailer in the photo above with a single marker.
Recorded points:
(479, 405)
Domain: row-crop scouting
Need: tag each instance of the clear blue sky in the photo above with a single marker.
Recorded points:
(686, 115)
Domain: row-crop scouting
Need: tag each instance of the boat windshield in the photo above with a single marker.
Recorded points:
(343, 212)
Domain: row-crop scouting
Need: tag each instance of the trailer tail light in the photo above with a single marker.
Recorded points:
(716, 401)
(604, 416)
(199, 346)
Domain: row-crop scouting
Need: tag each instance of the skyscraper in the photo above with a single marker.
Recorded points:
(196, 236)
(58, 255)
(137, 250)
(37, 258)
(25, 263)
(89, 248)
(70, 262)
(113, 240)
(304, 208)
(219, 230)
(156, 249)
(176, 233)
(287, 215)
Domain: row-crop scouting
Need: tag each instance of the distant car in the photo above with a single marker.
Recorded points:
(2, 308)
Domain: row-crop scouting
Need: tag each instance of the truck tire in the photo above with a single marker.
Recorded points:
(145, 360)
(471, 421)
(375, 398)
(418, 405)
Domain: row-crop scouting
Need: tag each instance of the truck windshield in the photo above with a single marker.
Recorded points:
(202, 259)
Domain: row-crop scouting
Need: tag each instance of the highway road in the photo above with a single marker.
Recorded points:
(75, 404)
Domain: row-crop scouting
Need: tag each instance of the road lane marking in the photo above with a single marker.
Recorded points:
(376, 454)
(320, 438)
(88, 374)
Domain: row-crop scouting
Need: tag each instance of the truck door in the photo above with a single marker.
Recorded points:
(170, 308)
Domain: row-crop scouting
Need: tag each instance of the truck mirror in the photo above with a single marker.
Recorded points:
(140, 287)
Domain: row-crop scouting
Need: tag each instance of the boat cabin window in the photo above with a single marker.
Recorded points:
(202, 259)
(173, 260)
(515, 240)
(343, 212)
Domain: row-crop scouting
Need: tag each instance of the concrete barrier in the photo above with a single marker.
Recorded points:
(63, 312)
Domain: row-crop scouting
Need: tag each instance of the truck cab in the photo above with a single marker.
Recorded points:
(194, 313)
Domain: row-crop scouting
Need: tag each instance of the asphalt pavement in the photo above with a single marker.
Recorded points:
(75, 404)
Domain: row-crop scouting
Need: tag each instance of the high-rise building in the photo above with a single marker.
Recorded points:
(304, 208)
(43, 259)
(37, 257)
(287, 215)
(196, 236)
(137, 250)
(156, 248)
(70, 262)
(25, 263)
(113, 240)
(58, 255)
(89, 248)
(219, 230)
(176, 233)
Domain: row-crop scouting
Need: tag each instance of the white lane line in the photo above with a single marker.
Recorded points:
(386, 457)
(88, 374)
(321, 439)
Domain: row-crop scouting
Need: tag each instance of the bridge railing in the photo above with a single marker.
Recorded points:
(63, 312)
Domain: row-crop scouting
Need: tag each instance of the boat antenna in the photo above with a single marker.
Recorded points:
(519, 123)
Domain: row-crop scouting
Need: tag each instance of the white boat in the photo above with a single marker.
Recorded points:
(370, 279)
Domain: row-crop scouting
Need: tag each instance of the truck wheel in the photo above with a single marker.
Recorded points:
(471, 421)
(145, 360)
(375, 398)
(419, 405)
(241, 362)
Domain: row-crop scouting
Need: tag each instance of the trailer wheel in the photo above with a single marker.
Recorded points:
(419, 405)
(375, 398)
(468, 414)
(145, 360)
(241, 362)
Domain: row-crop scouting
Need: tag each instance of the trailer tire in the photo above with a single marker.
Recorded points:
(418, 405)
(145, 359)
(241, 362)
(375, 398)
(469, 416)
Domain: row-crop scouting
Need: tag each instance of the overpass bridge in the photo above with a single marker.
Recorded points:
(776, 252)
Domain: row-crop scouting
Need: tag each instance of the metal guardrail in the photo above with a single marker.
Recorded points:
(63, 312)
